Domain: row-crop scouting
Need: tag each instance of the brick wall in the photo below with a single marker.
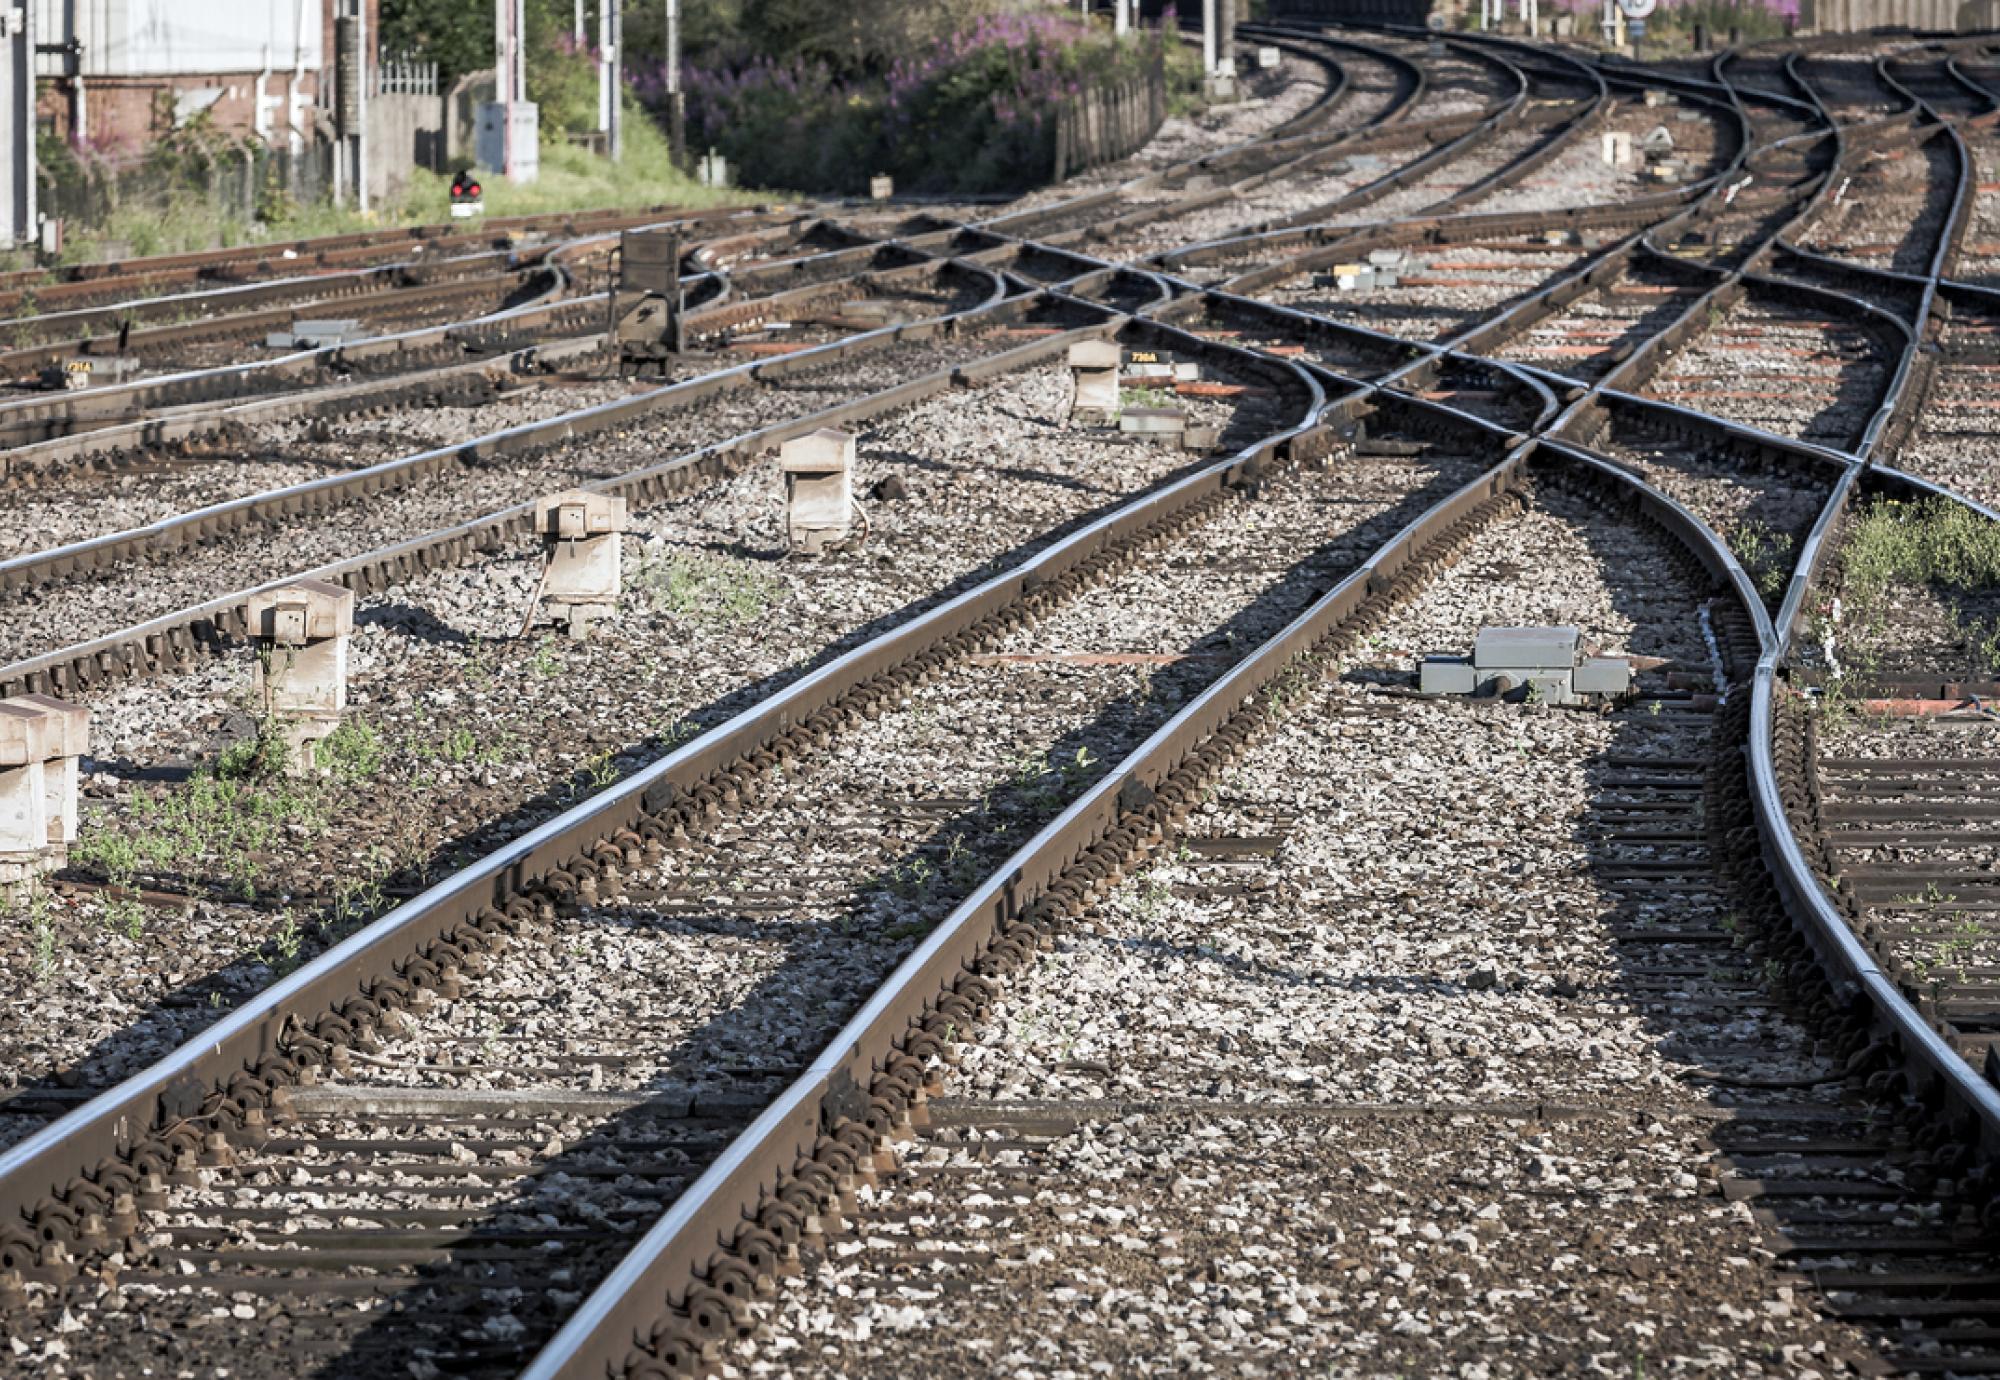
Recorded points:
(125, 114)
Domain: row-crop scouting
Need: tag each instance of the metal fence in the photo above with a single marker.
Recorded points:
(1110, 122)
(246, 183)
(404, 77)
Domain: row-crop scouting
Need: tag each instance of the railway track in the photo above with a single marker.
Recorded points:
(941, 953)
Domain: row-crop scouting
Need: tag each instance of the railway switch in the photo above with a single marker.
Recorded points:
(1384, 268)
(819, 488)
(301, 633)
(1094, 366)
(42, 742)
(1550, 665)
(1165, 425)
(582, 539)
(648, 304)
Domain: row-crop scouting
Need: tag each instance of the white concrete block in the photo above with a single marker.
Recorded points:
(819, 488)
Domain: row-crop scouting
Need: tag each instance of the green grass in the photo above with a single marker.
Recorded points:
(352, 753)
(708, 589)
(1928, 542)
(572, 179)
(1766, 556)
(1146, 397)
(1931, 544)
(1184, 86)
(225, 815)
(42, 928)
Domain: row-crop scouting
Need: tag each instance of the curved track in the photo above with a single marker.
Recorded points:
(730, 975)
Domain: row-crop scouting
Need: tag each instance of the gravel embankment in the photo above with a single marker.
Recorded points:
(1598, 331)
(1579, 176)
(102, 602)
(269, 455)
(1762, 513)
(1954, 443)
(724, 967)
(482, 733)
(1439, 293)
(1893, 208)
(1268, 1097)
(1783, 369)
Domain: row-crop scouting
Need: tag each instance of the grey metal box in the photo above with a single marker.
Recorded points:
(511, 132)
(1603, 675)
(1525, 649)
(1553, 688)
(1445, 675)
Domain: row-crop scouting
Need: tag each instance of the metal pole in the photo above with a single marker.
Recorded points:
(1208, 40)
(503, 79)
(17, 100)
(503, 68)
(604, 67)
(615, 54)
(361, 134)
(577, 31)
(518, 37)
(676, 101)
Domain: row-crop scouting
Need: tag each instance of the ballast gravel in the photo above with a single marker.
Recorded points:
(715, 974)
(1292, 1101)
(481, 733)
(96, 604)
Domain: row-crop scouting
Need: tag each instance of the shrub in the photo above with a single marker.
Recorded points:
(971, 112)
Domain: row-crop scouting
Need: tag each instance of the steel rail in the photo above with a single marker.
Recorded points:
(608, 1333)
(306, 290)
(1901, 395)
(1217, 161)
(1143, 510)
(207, 384)
(1849, 965)
(1489, 122)
(719, 308)
(611, 1331)
(1347, 240)
(1004, 895)
(1382, 132)
(175, 637)
(331, 253)
(259, 256)
(204, 330)
(66, 409)
(178, 637)
(201, 524)
(70, 1148)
